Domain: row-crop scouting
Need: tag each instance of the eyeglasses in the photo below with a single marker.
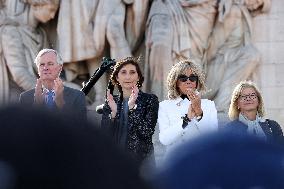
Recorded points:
(247, 97)
(184, 78)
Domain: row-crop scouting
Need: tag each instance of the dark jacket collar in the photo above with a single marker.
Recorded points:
(236, 124)
(183, 96)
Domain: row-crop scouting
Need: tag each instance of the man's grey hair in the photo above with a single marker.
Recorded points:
(43, 51)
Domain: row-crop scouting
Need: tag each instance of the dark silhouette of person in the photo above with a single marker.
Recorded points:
(42, 150)
(224, 161)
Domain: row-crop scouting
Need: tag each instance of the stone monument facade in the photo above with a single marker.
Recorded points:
(268, 37)
(164, 31)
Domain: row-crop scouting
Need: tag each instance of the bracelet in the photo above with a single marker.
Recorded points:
(186, 120)
(110, 117)
(134, 108)
(199, 117)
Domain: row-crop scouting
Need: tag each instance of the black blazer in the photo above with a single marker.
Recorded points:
(141, 123)
(271, 129)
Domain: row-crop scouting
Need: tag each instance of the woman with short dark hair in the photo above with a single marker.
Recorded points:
(131, 116)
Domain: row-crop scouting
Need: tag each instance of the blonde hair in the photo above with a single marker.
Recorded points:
(233, 109)
(180, 68)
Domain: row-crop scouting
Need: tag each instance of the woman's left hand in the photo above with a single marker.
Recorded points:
(195, 102)
(58, 89)
(133, 97)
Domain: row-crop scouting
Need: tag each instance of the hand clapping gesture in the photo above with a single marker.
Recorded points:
(58, 89)
(194, 109)
(112, 104)
(133, 97)
(39, 96)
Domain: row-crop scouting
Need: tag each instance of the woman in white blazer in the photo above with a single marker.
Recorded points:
(185, 115)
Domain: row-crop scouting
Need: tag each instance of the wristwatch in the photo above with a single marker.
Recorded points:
(185, 121)
(134, 107)
(199, 117)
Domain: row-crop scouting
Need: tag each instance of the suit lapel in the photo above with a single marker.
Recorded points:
(66, 94)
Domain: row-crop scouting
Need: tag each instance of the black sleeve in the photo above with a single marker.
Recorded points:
(80, 102)
(146, 124)
(108, 124)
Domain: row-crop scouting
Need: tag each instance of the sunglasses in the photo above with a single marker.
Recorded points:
(184, 78)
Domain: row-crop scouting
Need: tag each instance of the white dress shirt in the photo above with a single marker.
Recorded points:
(170, 122)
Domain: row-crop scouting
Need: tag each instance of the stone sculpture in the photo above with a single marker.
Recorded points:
(20, 40)
(176, 29)
(232, 56)
(86, 29)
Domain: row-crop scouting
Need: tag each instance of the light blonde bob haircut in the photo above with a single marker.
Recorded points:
(233, 109)
(180, 68)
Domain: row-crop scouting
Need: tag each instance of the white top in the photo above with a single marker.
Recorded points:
(170, 122)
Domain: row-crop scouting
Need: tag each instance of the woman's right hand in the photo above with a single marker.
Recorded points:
(195, 107)
(112, 104)
(39, 96)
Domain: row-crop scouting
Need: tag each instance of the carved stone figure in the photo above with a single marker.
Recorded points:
(2, 12)
(2, 6)
(176, 29)
(20, 41)
(121, 23)
(231, 56)
(117, 23)
(76, 43)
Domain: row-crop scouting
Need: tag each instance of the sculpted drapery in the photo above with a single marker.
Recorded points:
(177, 29)
(86, 29)
(232, 56)
(20, 41)
(75, 32)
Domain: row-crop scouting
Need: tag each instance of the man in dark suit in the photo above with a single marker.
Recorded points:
(49, 91)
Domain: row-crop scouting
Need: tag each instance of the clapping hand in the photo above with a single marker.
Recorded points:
(195, 107)
(112, 104)
(58, 89)
(133, 97)
(39, 96)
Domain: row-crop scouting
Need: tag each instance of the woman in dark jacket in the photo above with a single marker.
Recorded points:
(130, 117)
(247, 114)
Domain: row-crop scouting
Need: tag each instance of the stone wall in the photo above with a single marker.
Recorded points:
(269, 39)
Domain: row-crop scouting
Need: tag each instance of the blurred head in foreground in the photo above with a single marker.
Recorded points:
(43, 150)
(224, 161)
